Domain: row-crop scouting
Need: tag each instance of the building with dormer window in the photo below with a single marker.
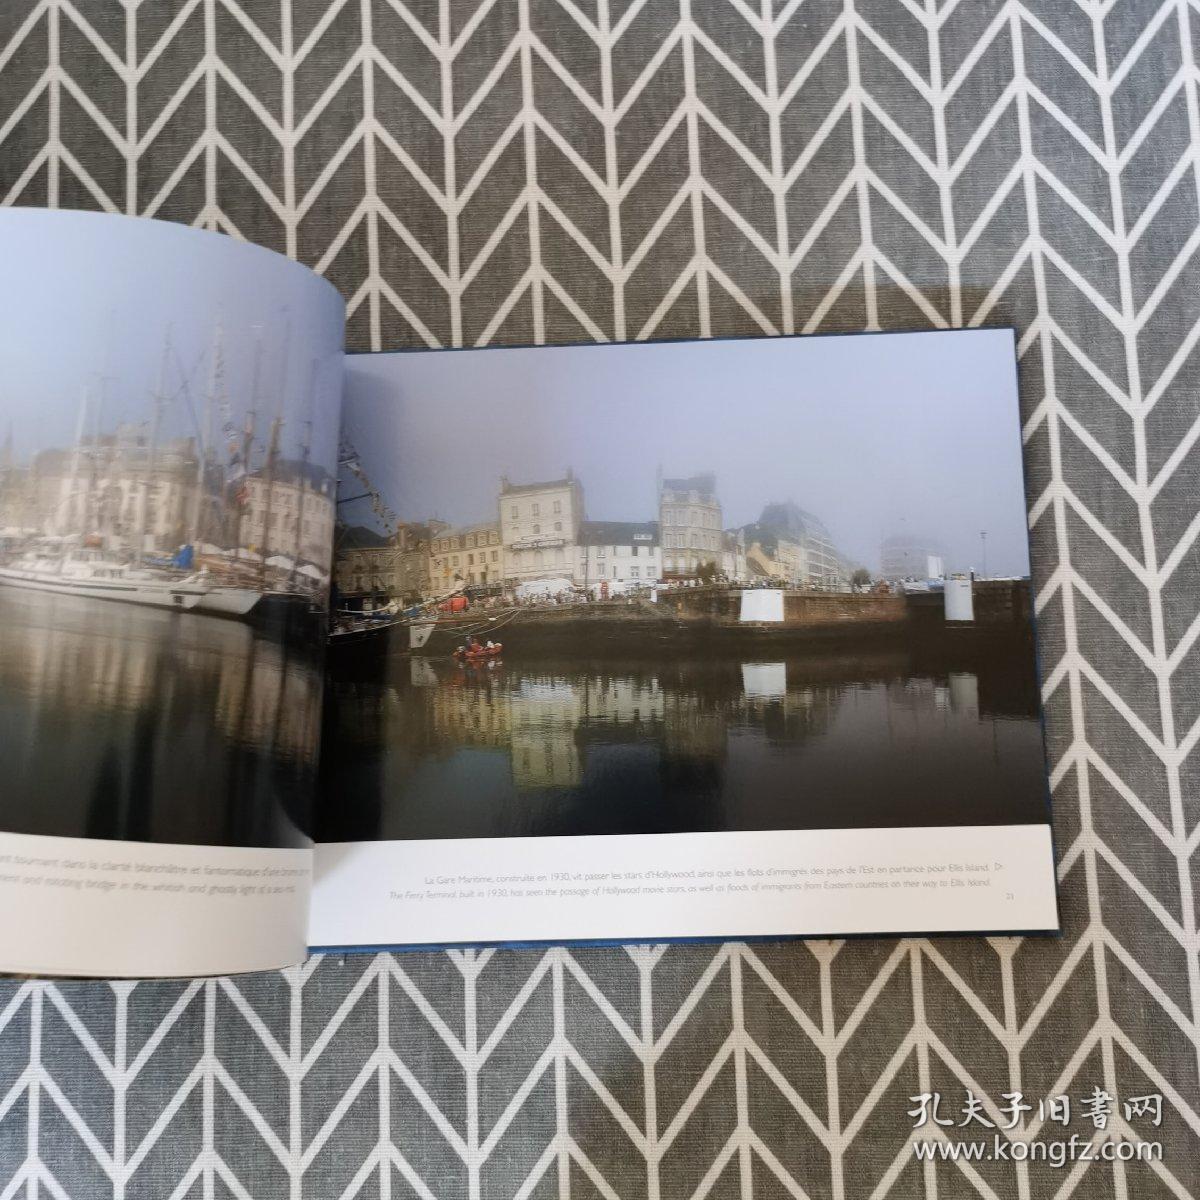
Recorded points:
(625, 552)
(689, 517)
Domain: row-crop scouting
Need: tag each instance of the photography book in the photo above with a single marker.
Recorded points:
(679, 640)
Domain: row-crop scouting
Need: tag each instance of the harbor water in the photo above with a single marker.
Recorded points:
(122, 721)
(942, 734)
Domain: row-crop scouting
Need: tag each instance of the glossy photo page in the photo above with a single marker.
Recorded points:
(169, 404)
(700, 639)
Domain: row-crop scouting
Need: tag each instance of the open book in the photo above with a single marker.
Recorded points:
(698, 639)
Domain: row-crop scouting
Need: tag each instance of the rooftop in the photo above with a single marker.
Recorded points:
(359, 537)
(790, 520)
(618, 533)
(462, 530)
(704, 482)
(508, 488)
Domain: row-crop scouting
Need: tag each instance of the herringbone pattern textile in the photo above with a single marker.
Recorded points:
(529, 170)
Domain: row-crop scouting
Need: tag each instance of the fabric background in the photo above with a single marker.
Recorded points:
(529, 170)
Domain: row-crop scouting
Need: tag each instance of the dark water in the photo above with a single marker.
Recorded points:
(940, 735)
(124, 722)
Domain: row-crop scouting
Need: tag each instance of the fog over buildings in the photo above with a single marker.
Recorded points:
(912, 435)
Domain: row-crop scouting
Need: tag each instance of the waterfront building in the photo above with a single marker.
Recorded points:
(138, 497)
(625, 552)
(733, 556)
(287, 511)
(800, 546)
(689, 516)
(775, 557)
(412, 542)
(539, 529)
(18, 505)
(470, 557)
(911, 556)
(364, 567)
(16, 494)
(114, 486)
(373, 568)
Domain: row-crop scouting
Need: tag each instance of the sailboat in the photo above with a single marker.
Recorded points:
(91, 572)
(220, 599)
(80, 567)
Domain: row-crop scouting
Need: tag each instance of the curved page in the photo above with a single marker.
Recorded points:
(168, 443)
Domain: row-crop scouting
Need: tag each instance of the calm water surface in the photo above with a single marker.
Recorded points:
(118, 721)
(561, 745)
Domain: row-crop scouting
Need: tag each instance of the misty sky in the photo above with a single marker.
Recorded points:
(85, 296)
(914, 433)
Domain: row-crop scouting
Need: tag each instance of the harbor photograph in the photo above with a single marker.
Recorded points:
(168, 445)
(749, 584)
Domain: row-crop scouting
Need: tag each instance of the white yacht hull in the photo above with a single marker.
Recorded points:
(229, 601)
(181, 597)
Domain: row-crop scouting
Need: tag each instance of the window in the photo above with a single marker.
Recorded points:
(454, 561)
(537, 529)
(514, 512)
(614, 570)
(558, 506)
(558, 527)
(600, 552)
(470, 560)
(495, 556)
(536, 509)
(634, 573)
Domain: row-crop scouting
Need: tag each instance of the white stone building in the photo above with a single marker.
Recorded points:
(111, 485)
(539, 529)
(689, 516)
(624, 552)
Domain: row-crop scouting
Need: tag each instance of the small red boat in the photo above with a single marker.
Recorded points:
(478, 653)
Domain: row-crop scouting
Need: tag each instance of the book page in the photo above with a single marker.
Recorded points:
(709, 639)
(168, 440)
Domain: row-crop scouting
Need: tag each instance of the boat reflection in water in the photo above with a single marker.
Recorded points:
(550, 745)
(123, 721)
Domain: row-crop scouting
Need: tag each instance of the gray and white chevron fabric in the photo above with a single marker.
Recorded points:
(540, 170)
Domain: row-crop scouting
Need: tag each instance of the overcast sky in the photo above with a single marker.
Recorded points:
(87, 298)
(915, 434)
